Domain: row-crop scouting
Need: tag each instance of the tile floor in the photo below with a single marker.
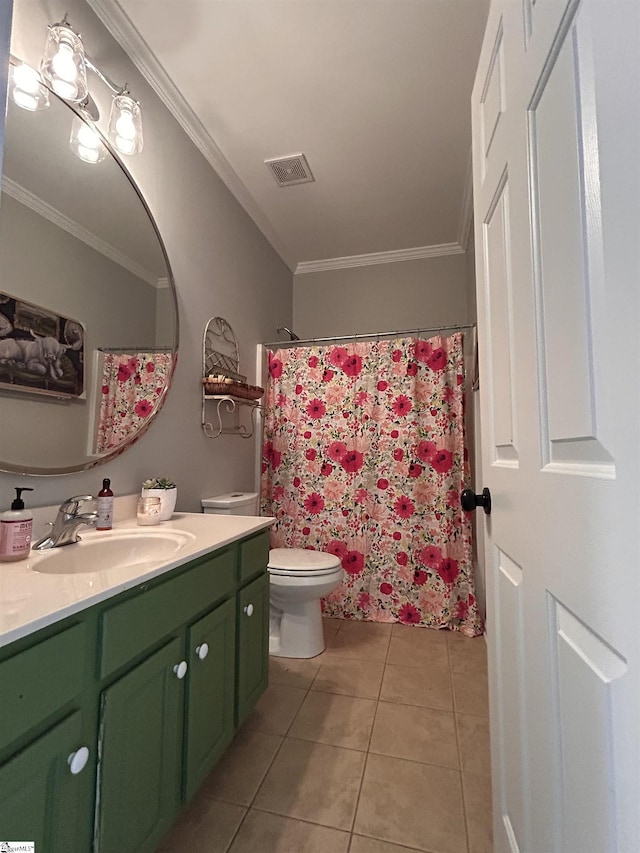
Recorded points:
(378, 745)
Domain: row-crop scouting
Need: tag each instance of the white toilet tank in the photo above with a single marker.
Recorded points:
(234, 503)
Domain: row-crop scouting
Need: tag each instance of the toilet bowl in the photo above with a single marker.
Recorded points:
(298, 579)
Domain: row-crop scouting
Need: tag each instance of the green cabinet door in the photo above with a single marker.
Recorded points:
(211, 644)
(41, 800)
(253, 645)
(140, 747)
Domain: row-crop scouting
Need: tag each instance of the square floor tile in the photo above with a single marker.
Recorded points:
(331, 626)
(238, 774)
(467, 654)
(293, 672)
(362, 844)
(415, 646)
(418, 734)
(477, 804)
(314, 782)
(337, 720)
(473, 742)
(470, 693)
(430, 686)
(262, 832)
(361, 641)
(349, 677)
(206, 826)
(276, 709)
(419, 805)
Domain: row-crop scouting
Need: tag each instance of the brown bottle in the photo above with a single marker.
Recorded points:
(105, 506)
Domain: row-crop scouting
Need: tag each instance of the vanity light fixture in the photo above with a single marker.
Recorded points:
(64, 68)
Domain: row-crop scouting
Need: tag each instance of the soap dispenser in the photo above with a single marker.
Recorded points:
(16, 526)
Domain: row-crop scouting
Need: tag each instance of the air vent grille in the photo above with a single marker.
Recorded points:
(290, 170)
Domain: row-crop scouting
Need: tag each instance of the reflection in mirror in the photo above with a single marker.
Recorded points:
(88, 318)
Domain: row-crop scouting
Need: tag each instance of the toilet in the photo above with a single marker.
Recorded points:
(298, 579)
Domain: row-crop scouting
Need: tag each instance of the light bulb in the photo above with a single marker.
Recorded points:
(125, 126)
(63, 63)
(125, 145)
(88, 137)
(25, 100)
(27, 91)
(26, 78)
(86, 143)
(88, 154)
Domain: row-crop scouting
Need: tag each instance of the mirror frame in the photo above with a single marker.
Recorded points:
(10, 468)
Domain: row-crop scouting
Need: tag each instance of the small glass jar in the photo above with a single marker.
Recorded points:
(148, 511)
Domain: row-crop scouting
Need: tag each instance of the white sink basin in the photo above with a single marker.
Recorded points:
(97, 552)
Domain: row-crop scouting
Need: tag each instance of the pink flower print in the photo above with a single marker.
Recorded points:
(143, 408)
(337, 548)
(409, 614)
(382, 385)
(327, 375)
(273, 456)
(398, 454)
(361, 496)
(459, 379)
(352, 365)
(363, 600)
(430, 556)
(386, 588)
(404, 507)
(412, 369)
(336, 450)
(382, 484)
(461, 610)
(275, 367)
(394, 433)
(326, 469)
(132, 364)
(397, 535)
(353, 562)
(105, 389)
(425, 450)
(296, 482)
(314, 503)
(298, 389)
(316, 409)
(150, 367)
(123, 373)
(402, 558)
(306, 531)
(453, 498)
(448, 570)
(361, 398)
(138, 381)
(402, 405)
(448, 394)
(313, 361)
(278, 493)
(352, 461)
(438, 359)
(442, 461)
(337, 356)
(396, 355)
(420, 577)
(310, 454)
(423, 350)
(415, 470)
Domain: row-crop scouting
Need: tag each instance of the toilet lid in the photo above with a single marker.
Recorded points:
(301, 561)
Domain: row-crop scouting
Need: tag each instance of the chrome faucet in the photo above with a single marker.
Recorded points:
(64, 530)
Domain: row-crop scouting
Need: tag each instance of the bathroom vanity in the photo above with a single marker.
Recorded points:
(116, 703)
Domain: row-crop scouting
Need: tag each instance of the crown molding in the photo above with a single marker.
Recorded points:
(395, 256)
(124, 32)
(39, 206)
(466, 212)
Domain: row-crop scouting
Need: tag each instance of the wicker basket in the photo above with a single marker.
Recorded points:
(233, 389)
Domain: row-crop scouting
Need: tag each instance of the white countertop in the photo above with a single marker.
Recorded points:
(30, 600)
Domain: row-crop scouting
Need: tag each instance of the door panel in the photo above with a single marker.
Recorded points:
(557, 214)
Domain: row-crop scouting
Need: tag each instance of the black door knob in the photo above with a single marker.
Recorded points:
(469, 501)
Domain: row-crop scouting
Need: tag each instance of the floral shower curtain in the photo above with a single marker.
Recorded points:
(364, 458)
(132, 384)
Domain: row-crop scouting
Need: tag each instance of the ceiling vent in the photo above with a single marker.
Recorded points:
(290, 170)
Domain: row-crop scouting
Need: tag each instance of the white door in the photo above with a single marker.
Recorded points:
(556, 126)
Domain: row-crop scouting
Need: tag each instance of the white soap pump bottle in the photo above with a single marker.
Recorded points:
(16, 525)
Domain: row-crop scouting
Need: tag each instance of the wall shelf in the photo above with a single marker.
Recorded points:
(220, 360)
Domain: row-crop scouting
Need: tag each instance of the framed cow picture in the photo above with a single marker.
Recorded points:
(40, 352)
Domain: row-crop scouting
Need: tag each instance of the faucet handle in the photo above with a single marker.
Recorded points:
(70, 506)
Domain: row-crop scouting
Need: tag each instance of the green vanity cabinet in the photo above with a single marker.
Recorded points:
(153, 682)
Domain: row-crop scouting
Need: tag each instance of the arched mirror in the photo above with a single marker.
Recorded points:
(88, 316)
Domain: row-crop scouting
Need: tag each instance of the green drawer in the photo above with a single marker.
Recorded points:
(38, 681)
(254, 556)
(136, 624)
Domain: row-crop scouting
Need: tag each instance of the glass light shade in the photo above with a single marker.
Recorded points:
(26, 89)
(63, 65)
(125, 125)
(86, 143)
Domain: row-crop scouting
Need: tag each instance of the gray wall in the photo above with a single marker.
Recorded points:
(381, 297)
(222, 266)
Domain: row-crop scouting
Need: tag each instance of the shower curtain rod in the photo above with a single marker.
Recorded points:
(124, 350)
(400, 333)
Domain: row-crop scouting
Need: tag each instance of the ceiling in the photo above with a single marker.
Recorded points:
(375, 93)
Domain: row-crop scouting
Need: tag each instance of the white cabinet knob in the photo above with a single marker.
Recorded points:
(202, 651)
(77, 761)
(249, 610)
(180, 669)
